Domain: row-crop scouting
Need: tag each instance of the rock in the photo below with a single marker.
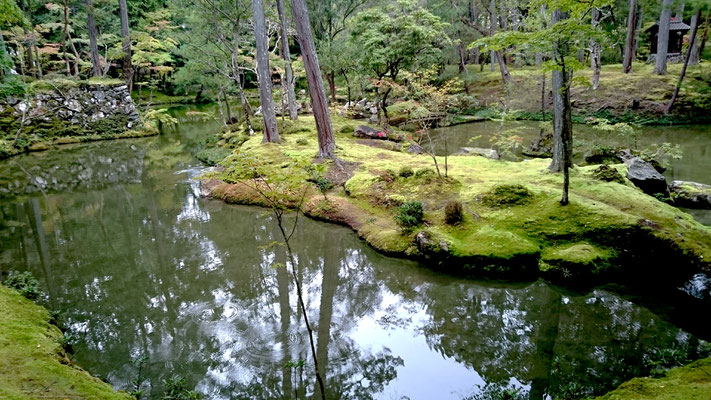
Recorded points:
(415, 149)
(607, 173)
(364, 131)
(541, 147)
(477, 151)
(429, 247)
(691, 194)
(645, 177)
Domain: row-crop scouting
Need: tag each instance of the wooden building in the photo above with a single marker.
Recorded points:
(677, 30)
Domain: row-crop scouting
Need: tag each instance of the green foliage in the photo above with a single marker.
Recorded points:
(26, 284)
(157, 118)
(410, 214)
(506, 196)
(176, 388)
(12, 86)
(405, 171)
(453, 212)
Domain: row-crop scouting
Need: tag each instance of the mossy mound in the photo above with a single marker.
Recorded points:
(607, 173)
(520, 229)
(32, 362)
(506, 196)
(691, 382)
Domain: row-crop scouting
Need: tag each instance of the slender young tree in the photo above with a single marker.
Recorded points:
(690, 49)
(319, 102)
(660, 62)
(630, 39)
(286, 55)
(693, 57)
(93, 46)
(271, 132)
(126, 45)
(595, 50)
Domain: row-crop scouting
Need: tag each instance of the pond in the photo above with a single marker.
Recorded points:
(139, 265)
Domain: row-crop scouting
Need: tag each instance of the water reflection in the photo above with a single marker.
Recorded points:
(151, 269)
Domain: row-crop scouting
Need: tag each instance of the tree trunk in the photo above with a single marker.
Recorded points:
(331, 77)
(94, 47)
(543, 96)
(271, 133)
(286, 55)
(595, 50)
(127, 66)
(30, 57)
(660, 62)
(680, 12)
(319, 104)
(492, 30)
(693, 55)
(461, 53)
(76, 54)
(630, 39)
(505, 76)
(692, 41)
(3, 50)
(65, 31)
(705, 35)
(37, 61)
(562, 120)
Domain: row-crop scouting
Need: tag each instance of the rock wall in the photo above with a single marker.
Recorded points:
(74, 109)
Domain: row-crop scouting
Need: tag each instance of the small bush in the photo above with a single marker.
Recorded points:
(24, 283)
(177, 389)
(345, 129)
(507, 195)
(302, 142)
(453, 212)
(425, 173)
(324, 185)
(410, 214)
(406, 171)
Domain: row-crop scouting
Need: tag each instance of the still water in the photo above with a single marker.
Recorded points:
(139, 265)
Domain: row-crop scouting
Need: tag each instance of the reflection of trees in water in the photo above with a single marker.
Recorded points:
(148, 269)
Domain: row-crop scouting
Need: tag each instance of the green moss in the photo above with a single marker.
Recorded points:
(689, 382)
(32, 362)
(506, 196)
(607, 173)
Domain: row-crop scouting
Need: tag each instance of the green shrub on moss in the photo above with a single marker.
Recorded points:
(406, 172)
(507, 195)
(346, 129)
(607, 173)
(25, 283)
(453, 212)
(12, 86)
(410, 214)
(302, 142)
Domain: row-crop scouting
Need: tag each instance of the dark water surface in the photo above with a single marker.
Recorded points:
(139, 264)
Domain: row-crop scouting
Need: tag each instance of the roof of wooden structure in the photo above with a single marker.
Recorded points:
(674, 25)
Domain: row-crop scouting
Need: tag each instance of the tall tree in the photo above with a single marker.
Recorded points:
(630, 39)
(93, 46)
(126, 45)
(660, 62)
(286, 55)
(271, 133)
(319, 102)
(693, 57)
(595, 51)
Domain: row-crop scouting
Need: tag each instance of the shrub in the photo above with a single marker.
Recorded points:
(410, 214)
(302, 142)
(406, 171)
(177, 389)
(453, 212)
(607, 173)
(324, 185)
(24, 283)
(345, 129)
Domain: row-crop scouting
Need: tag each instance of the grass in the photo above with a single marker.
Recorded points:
(691, 382)
(32, 362)
(607, 224)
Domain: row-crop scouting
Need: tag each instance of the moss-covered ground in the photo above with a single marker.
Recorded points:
(33, 364)
(606, 225)
(691, 382)
(639, 96)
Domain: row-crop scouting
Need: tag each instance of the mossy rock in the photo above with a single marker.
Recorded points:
(574, 261)
(506, 196)
(607, 173)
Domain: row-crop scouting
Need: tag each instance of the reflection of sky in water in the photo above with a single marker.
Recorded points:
(150, 268)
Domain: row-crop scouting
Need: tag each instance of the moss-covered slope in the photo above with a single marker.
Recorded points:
(606, 225)
(32, 362)
(691, 382)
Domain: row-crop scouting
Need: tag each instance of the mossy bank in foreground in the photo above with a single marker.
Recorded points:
(33, 364)
(512, 224)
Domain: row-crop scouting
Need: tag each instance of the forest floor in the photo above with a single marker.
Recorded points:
(639, 96)
(33, 363)
(513, 224)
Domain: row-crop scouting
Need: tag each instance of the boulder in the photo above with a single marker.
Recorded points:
(364, 131)
(429, 247)
(691, 194)
(478, 151)
(645, 177)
